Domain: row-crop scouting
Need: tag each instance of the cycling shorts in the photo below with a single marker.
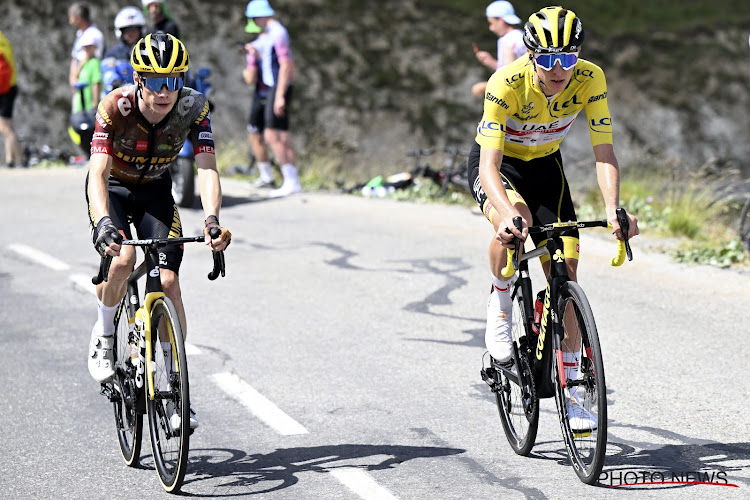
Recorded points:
(6, 102)
(540, 184)
(151, 209)
(256, 122)
(271, 120)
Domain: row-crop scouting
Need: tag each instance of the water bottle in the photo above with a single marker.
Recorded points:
(538, 309)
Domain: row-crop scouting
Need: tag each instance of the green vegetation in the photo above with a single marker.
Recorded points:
(694, 212)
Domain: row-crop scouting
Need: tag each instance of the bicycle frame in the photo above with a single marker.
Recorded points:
(558, 274)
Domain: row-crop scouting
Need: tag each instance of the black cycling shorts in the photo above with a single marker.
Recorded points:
(271, 120)
(539, 183)
(6, 102)
(256, 122)
(151, 209)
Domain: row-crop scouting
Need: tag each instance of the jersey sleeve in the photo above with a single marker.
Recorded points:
(597, 110)
(282, 46)
(491, 129)
(103, 139)
(200, 134)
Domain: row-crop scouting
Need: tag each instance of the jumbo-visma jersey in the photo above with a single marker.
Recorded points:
(519, 120)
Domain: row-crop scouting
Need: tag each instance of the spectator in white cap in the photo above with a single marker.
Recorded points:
(505, 24)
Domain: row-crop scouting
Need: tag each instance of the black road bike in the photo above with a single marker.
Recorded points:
(149, 378)
(537, 370)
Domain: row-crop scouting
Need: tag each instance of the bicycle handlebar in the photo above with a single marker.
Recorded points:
(623, 246)
(219, 262)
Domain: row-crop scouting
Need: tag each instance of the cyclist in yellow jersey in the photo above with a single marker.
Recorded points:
(515, 167)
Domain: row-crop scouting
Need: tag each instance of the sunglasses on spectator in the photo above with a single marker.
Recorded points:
(547, 61)
(156, 83)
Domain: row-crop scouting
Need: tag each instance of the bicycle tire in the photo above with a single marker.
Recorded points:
(128, 419)
(586, 449)
(745, 225)
(517, 403)
(170, 446)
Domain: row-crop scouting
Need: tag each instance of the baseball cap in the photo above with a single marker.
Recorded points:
(503, 10)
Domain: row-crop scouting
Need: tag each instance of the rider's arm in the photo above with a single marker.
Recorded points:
(99, 168)
(208, 183)
(608, 175)
(490, 161)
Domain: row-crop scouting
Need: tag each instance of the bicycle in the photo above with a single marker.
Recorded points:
(536, 369)
(148, 379)
(454, 172)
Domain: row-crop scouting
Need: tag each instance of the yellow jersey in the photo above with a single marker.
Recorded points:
(522, 122)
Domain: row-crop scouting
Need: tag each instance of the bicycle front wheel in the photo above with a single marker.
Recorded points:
(582, 403)
(516, 399)
(128, 418)
(168, 407)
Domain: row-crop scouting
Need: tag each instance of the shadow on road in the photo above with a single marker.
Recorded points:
(233, 473)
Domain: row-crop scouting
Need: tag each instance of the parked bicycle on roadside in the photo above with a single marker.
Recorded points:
(556, 353)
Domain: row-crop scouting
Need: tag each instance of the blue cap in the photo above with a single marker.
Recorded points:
(258, 8)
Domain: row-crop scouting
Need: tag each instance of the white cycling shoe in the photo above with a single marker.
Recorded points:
(498, 335)
(580, 420)
(287, 188)
(101, 360)
(175, 421)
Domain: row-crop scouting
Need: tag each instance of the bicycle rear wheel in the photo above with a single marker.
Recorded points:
(169, 409)
(128, 420)
(585, 439)
(516, 400)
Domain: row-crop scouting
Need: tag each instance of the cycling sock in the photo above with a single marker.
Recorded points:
(166, 347)
(106, 318)
(502, 291)
(264, 167)
(289, 172)
(570, 364)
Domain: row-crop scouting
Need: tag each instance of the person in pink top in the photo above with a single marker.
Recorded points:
(277, 72)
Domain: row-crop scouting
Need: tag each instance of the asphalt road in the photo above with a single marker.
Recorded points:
(340, 358)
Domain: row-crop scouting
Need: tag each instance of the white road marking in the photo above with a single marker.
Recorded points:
(258, 404)
(361, 483)
(39, 257)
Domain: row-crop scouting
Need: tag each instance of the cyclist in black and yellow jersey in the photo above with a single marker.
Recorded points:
(515, 167)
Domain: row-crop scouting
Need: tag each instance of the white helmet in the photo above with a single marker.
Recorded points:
(129, 17)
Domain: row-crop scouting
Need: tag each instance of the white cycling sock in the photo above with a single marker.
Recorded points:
(264, 167)
(289, 172)
(503, 293)
(106, 318)
(570, 364)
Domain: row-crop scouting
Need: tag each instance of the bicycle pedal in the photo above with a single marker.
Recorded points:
(489, 375)
(108, 391)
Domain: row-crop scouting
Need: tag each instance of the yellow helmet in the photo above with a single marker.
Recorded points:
(159, 53)
(553, 30)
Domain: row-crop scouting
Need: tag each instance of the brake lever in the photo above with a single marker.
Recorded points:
(624, 222)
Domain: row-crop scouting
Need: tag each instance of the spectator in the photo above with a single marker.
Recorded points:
(256, 122)
(160, 18)
(129, 26)
(91, 75)
(79, 16)
(8, 91)
(505, 24)
(277, 72)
